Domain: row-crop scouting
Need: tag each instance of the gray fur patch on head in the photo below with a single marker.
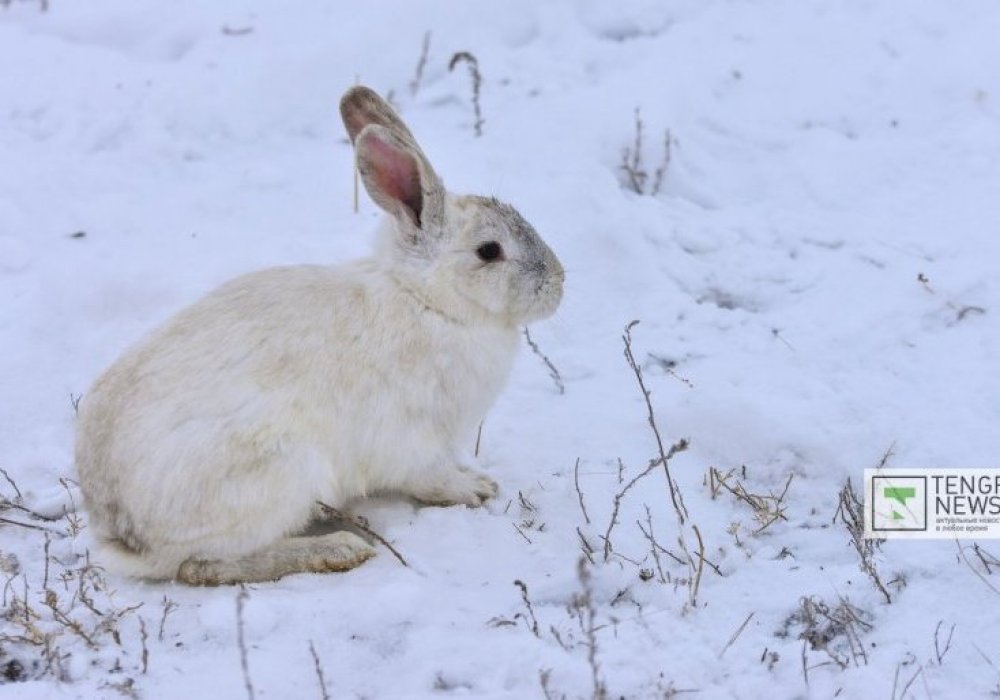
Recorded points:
(536, 252)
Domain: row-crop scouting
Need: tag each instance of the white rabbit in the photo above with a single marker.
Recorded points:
(203, 451)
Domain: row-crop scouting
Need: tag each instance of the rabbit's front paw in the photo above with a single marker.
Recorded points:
(461, 486)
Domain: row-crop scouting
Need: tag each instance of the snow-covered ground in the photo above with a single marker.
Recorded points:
(816, 280)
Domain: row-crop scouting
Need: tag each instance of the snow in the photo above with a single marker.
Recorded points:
(819, 266)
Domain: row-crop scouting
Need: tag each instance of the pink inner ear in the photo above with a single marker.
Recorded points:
(396, 175)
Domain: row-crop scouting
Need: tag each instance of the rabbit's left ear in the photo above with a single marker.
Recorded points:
(361, 106)
(396, 175)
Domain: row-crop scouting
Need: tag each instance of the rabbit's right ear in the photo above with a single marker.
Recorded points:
(361, 106)
(395, 171)
(398, 177)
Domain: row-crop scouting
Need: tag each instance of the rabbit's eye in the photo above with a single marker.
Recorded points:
(490, 252)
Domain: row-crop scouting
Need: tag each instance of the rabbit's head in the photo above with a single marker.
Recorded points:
(470, 258)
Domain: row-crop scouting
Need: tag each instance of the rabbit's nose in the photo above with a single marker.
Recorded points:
(553, 267)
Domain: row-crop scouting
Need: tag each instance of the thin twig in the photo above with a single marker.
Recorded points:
(553, 372)
(676, 498)
(45, 577)
(479, 438)
(616, 504)
(244, 664)
(362, 524)
(661, 170)
(584, 605)
(906, 687)
(477, 81)
(533, 626)
(145, 648)
(319, 671)
(961, 551)
(737, 633)
(938, 651)
(585, 546)
(887, 455)
(11, 482)
(29, 526)
(805, 665)
(987, 559)
(665, 455)
(418, 75)
(52, 602)
(631, 159)
(7, 503)
(851, 512)
(579, 492)
(701, 562)
(653, 545)
(168, 607)
(72, 519)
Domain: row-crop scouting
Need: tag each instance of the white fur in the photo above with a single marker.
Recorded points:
(214, 438)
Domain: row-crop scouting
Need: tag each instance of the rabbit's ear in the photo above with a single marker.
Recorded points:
(361, 106)
(396, 175)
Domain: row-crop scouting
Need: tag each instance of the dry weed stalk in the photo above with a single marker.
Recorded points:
(737, 633)
(695, 564)
(319, 672)
(533, 624)
(168, 607)
(987, 559)
(544, 678)
(553, 372)
(241, 598)
(418, 75)
(767, 509)
(145, 648)
(986, 563)
(851, 512)
(477, 82)
(941, 650)
(616, 505)
(637, 178)
(361, 523)
(579, 492)
(17, 503)
(656, 548)
(906, 688)
(675, 495)
(73, 521)
(831, 629)
(582, 607)
(585, 546)
(84, 609)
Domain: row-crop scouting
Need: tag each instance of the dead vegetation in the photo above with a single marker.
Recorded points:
(45, 616)
(553, 372)
(579, 633)
(834, 632)
(766, 508)
(635, 172)
(851, 514)
(477, 83)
